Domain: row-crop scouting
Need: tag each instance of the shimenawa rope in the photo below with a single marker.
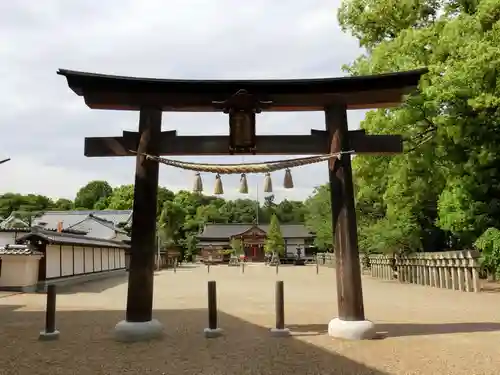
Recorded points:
(269, 166)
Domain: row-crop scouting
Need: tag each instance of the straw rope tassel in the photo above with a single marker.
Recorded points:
(218, 189)
(288, 180)
(198, 183)
(243, 184)
(268, 184)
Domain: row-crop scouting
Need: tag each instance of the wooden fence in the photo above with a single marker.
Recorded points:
(456, 270)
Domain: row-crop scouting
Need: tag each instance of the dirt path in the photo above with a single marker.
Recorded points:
(429, 331)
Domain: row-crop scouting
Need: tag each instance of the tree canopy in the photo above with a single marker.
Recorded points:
(443, 192)
(180, 216)
(275, 243)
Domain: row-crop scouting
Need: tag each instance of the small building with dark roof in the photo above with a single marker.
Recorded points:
(65, 257)
(219, 237)
(68, 246)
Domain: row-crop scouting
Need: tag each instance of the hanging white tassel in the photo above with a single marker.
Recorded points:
(198, 183)
(218, 189)
(268, 184)
(288, 180)
(243, 184)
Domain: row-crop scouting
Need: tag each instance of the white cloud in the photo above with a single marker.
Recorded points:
(43, 123)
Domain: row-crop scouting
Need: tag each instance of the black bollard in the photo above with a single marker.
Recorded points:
(50, 333)
(212, 330)
(280, 305)
(212, 305)
(280, 329)
(277, 267)
(208, 267)
(242, 267)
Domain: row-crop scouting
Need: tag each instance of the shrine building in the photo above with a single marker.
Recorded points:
(216, 237)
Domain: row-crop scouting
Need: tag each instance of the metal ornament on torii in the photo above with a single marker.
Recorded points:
(242, 100)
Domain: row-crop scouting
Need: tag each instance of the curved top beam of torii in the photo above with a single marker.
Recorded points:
(103, 91)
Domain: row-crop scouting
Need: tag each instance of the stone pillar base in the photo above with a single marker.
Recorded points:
(276, 332)
(138, 331)
(48, 336)
(212, 333)
(351, 330)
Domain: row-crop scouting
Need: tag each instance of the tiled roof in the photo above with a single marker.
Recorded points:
(223, 231)
(18, 250)
(70, 239)
(70, 218)
(13, 222)
(97, 227)
(215, 243)
(12, 230)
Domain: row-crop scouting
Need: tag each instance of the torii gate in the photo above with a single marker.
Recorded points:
(242, 99)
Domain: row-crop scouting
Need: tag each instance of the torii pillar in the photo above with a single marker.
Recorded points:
(139, 324)
(351, 322)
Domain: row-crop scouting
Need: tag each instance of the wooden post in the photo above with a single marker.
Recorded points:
(143, 241)
(317, 264)
(279, 330)
(280, 305)
(212, 330)
(277, 267)
(208, 267)
(348, 272)
(50, 311)
(212, 305)
(50, 333)
(242, 267)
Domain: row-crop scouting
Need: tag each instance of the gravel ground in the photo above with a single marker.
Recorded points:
(428, 331)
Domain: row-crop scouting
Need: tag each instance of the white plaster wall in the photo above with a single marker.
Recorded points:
(89, 267)
(105, 264)
(86, 260)
(117, 258)
(7, 238)
(67, 260)
(97, 259)
(292, 244)
(19, 270)
(52, 261)
(114, 258)
(111, 265)
(78, 260)
(122, 258)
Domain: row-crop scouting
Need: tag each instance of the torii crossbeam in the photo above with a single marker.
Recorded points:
(242, 100)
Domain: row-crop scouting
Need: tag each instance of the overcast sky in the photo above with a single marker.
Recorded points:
(43, 123)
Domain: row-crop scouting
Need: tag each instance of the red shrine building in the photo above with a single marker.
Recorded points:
(216, 238)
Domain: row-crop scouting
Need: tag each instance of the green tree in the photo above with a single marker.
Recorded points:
(12, 202)
(274, 240)
(191, 246)
(122, 198)
(90, 194)
(318, 217)
(292, 212)
(170, 223)
(163, 195)
(237, 246)
(443, 189)
(489, 245)
(63, 204)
